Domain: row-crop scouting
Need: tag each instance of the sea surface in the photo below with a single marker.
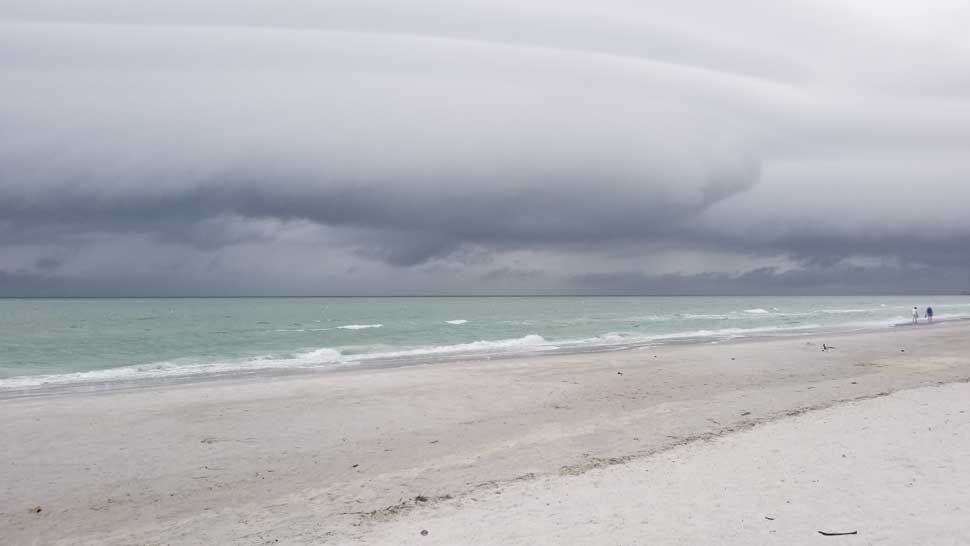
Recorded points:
(57, 342)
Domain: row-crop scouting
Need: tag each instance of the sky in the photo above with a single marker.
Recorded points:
(316, 147)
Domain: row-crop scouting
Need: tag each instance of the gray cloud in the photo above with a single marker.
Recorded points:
(422, 142)
(48, 263)
(841, 279)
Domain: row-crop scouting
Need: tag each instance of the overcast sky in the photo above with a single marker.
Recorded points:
(192, 147)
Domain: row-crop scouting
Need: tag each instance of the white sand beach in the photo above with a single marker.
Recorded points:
(889, 470)
(765, 441)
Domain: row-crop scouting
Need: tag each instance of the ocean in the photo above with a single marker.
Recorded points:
(65, 342)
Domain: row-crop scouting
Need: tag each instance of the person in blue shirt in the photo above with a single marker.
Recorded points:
(929, 314)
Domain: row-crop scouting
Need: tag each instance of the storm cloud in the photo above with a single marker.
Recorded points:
(450, 147)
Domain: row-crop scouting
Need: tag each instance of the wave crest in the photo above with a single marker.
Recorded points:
(531, 341)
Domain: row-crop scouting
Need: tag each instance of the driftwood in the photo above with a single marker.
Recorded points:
(838, 534)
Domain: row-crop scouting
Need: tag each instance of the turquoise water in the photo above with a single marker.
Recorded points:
(54, 342)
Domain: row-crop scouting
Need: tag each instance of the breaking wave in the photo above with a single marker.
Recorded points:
(329, 356)
(454, 344)
(174, 369)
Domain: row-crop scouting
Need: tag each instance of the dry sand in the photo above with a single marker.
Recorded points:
(889, 470)
(676, 445)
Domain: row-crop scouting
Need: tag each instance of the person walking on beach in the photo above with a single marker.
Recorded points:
(915, 315)
(929, 314)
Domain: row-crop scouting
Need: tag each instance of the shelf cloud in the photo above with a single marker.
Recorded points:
(422, 147)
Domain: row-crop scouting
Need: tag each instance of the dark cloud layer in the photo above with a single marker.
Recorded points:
(417, 147)
(803, 281)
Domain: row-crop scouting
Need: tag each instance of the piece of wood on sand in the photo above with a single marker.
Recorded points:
(828, 534)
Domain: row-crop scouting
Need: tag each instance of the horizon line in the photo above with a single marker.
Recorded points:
(553, 295)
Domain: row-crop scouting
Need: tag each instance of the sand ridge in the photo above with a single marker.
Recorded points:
(884, 470)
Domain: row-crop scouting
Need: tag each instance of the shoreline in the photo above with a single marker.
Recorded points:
(270, 373)
(327, 458)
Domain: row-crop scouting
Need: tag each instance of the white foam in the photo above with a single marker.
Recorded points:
(611, 338)
(651, 318)
(951, 305)
(359, 326)
(456, 322)
(729, 333)
(692, 316)
(174, 369)
(318, 356)
(531, 342)
(636, 339)
(308, 359)
(778, 313)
